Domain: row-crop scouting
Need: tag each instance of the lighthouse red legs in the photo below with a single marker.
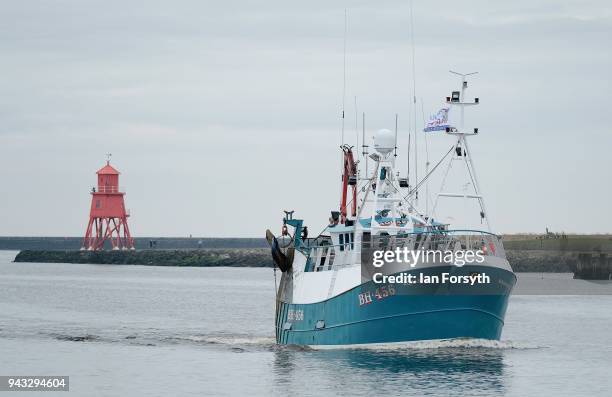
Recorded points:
(107, 216)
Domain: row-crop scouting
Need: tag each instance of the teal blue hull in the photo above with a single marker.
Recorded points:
(408, 314)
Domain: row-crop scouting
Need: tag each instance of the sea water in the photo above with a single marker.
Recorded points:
(167, 331)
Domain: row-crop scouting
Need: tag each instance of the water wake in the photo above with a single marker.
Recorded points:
(225, 340)
(458, 343)
(246, 342)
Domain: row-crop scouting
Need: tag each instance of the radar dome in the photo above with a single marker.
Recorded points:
(384, 141)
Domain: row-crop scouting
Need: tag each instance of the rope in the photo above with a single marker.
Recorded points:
(275, 286)
(427, 176)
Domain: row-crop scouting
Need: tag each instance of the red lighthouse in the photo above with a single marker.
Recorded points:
(107, 217)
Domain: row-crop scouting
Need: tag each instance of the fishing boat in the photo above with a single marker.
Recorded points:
(331, 291)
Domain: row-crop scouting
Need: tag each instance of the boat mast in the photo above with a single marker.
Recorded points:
(414, 104)
(344, 75)
(342, 152)
(426, 164)
(364, 151)
(457, 99)
(395, 148)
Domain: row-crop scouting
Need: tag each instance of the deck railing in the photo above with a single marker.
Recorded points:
(107, 189)
(328, 256)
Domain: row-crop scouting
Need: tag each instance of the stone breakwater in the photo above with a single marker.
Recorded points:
(245, 257)
(541, 260)
(521, 260)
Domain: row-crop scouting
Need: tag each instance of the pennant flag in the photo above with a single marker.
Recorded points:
(438, 121)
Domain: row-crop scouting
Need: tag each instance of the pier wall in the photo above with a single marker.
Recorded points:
(243, 257)
(178, 243)
(581, 255)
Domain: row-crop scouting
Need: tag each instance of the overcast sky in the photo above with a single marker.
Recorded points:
(222, 114)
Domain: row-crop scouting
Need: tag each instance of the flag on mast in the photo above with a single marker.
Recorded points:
(438, 121)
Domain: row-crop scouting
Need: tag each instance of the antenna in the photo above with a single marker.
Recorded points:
(408, 157)
(344, 74)
(416, 164)
(357, 144)
(463, 74)
(343, 92)
(108, 157)
(356, 124)
(364, 147)
(395, 149)
(426, 163)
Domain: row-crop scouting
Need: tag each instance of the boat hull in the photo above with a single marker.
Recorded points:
(378, 313)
